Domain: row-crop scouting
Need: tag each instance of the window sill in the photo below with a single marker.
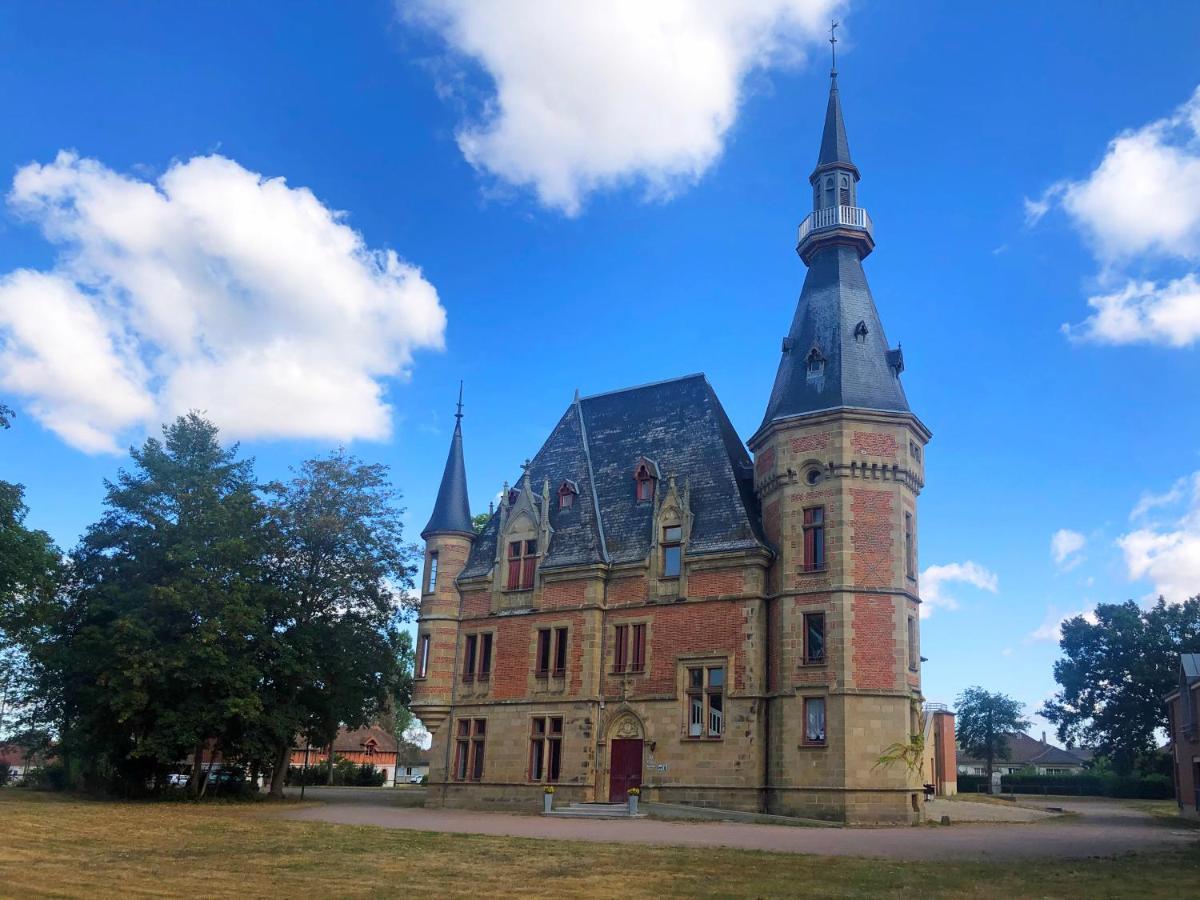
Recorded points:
(704, 739)
(817, 571)
(813, 745)
(814, 663)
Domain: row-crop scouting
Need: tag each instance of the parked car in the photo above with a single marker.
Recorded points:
(415, 779)
(177, 780)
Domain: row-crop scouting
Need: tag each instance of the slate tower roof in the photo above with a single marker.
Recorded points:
(836, 355)
(452, 511)
(682, 428)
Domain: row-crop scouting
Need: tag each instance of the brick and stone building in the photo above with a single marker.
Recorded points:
(651, 605)
(1183, 713)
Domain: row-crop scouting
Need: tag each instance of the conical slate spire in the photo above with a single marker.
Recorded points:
(836, 355)
(452, 511)
(834, 146)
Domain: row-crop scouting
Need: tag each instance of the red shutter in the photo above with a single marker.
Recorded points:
(619, 649)
(527, 569)
(639, 648)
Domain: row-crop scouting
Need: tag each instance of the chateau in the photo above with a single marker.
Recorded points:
(657, 604)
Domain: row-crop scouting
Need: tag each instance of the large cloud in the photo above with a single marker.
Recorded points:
(935, 579)
(1141, 204)
(1166, 548)
(590, 95)
(1065, 547)
(214, 288)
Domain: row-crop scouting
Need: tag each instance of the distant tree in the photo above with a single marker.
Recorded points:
(983, 721)
(6, 416)
(397, 718)
(342, 577)
(479, 522)
(1114, 673)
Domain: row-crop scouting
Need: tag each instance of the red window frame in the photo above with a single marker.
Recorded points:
(620, 647)
(560, 651)
(814, 538)
(637, 662)
(809, 658)
(478, 740)
(485, 656)
(462, 750)
(545, 749)
(541, 664)
(522, 564)
(470, 645)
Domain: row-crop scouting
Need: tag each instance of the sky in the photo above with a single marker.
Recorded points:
(311, 220)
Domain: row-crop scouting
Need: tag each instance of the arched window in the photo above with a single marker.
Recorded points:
(816, 362)
(645, 479)
(829, 192)
(567, 492)
(845, 193)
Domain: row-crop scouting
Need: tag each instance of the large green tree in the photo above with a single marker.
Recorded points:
(159, 646)
(983, 721)
(342, 577)
(1114, 672)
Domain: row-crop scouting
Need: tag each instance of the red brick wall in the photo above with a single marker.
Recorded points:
(765, 461)
(476, 603)
(872, 443)
(1184, 749)
(871, 540)
(627, 590)
(683, 629)
(514, 648)
(873, 642)
(563, 594)
(808, 442)
(716, 582)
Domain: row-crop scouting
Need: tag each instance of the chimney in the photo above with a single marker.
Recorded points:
(1043, 737)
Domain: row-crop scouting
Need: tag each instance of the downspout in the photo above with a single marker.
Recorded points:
(765, 796)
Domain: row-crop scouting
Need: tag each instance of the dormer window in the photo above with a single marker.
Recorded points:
(645, 476)
(815, 361)
(860, 332)
(522, 563)
(567, 492)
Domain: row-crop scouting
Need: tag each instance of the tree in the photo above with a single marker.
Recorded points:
(342, 578)
(158, 648)
(397, 717)
(1114, 673)
(6, 416)
(983, 722)
(479, 522)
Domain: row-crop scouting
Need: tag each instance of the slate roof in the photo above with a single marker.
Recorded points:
(1025, 750)
(452, 510)
(835, 148)
(679, 425)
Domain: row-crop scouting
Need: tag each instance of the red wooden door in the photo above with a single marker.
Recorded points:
(625, 770)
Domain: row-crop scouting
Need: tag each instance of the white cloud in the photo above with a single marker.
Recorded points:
(214, 288)
(1144, 196)
(934, 579)
(1051, 627)
(1065, 545)
(1145, 312)
(590, 96)
(1167, 552)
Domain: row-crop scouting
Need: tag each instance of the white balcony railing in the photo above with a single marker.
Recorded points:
(832, 217)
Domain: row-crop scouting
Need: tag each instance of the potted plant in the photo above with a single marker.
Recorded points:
(634, 794)
(548, 798)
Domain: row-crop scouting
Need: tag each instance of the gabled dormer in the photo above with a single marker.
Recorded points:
(645, 478)
(672, 526)
(524, 536)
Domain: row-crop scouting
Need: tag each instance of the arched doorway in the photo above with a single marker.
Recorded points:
(625, 747)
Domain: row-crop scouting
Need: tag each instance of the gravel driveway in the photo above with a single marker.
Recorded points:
(1100, 829)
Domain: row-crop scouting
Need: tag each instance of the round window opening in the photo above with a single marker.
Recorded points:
(813, 476)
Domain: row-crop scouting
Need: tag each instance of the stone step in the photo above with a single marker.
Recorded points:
(593, 811)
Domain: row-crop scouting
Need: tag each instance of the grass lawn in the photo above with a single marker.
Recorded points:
(68, 847)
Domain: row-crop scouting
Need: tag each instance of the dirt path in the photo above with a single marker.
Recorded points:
(1099, 830)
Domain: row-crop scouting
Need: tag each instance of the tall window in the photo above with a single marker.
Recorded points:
(814, 638)
(910, 556)
(462, 750)
(814, 720)
(844, 197)
(522, 562)
(672, 552)
(431, 581)
(638, 661)
(706, 701)
(545, 749)
(478, 736)
(620, 648)
(829, 192)
(560, 651)
(645, 482)
(814, 538)
(913, 657)
(469, 657)
(421, 669)
(485, 656)
(542, 662)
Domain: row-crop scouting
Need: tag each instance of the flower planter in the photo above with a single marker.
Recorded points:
(547, 802)
(633, 804)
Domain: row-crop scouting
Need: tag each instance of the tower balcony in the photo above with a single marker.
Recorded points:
(836, 223)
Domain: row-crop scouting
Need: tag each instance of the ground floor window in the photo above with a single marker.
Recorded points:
(706, 701)
(468, 749)
(545, 749)
(814, 720)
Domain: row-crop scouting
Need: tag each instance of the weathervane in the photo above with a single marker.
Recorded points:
(833, 46)
(458, 415)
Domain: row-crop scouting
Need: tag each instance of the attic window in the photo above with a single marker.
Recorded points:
(816, 362)
(567, 492)
(513, 494)
(860, 332)
(645, 482)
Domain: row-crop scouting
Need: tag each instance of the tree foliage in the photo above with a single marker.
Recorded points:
(983, 721)
(1114, 674)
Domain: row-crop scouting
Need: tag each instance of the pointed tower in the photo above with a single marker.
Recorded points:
(838, 466)
(448, 538)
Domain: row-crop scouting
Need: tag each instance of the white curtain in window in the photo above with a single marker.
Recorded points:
(814, 726)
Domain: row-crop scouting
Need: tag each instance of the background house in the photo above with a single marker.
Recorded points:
(940, 768)
(411, 762)
(371, 745)
(1025, 752)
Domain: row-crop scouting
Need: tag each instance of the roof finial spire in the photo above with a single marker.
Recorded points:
(833, 47)
(458, 415)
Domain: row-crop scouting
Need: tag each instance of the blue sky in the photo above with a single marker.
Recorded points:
(536, 198)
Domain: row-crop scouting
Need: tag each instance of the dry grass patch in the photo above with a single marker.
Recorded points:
(68, 847)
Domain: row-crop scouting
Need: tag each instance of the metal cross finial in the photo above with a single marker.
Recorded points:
(458, 415)
(833, 46)
(527, 465)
